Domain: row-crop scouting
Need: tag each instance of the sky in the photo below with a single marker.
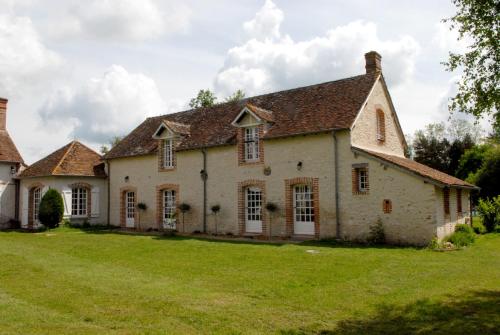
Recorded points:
(90, 70)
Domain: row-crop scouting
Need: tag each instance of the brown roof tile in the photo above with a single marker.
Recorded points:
(8, 150)
(420, 169)
(310, 109)
(74, 159)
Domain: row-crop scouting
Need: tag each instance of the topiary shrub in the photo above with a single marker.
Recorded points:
(377, 233)
(51, 209)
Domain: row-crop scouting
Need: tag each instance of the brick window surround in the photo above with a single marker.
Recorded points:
(387, 206)
(242, 186)
(159, 202)
(241, 146)
(123, 194)
(446, 201)
(161, 158)
(86, 186)
(32, 189)
(459, 201)
(289, 205)
(356, 169)
(380, 125)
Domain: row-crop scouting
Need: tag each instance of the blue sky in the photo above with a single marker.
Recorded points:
(90, 70)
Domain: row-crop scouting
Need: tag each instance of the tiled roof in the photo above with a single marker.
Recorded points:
(74, 159)
(310, 109)
(261, 113)
(8, 150)
(419, 169)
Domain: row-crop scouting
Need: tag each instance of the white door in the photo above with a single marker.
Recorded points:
(253, 210)
(130, 209)
(303, 209)
(37, 198)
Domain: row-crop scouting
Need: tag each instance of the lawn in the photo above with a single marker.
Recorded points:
(81, 282)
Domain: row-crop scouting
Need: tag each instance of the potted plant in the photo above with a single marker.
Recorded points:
(184, 208)
(215, 209)
(271, 207)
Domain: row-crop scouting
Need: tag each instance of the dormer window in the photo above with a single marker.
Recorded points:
(168, 153)
(251, 144)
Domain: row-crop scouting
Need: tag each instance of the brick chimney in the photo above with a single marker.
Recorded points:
(373, 62)
(3, 114)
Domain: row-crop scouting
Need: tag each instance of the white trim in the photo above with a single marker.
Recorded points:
(243, 111)
(170, 134)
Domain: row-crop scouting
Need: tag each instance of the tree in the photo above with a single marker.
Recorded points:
(487, 177)
(112, 143)
(478, 88)
(471, 160)
(205, 98)
(51, 209)
(236, 96)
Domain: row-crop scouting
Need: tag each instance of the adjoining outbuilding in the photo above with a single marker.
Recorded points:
(78, 173)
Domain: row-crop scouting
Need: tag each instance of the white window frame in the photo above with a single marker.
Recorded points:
(79, 202)
(363, 180)
(251, 139)
(253, 204)
(303, 203)
(37, 199)
(169, 209)
(168, 153)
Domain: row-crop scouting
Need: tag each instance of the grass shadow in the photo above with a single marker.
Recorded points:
(477, 312)
(356, 245)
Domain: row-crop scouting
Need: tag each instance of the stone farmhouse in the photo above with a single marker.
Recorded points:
(330, 156)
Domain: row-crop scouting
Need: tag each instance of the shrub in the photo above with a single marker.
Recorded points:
(464, 228)
(434, 244)
(377, 233)
(184, 207)
(461, 238)
(271, 207)
(478, 227)
(489, 211)
(51, 209)
(142, 206)
(215, 209)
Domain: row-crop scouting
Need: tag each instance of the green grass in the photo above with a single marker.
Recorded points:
(73, 282)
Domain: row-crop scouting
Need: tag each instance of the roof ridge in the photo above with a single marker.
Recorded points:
(63, 156)
(245, 100)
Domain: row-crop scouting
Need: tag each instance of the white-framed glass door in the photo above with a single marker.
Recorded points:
(253, 210)
(130, 209)
(303, 210)
(169, 209)
(37, 198)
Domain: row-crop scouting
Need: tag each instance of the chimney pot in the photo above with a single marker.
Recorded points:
(373, 62)
(3, 114)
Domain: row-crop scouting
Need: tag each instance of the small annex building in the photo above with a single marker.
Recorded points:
(78, 173)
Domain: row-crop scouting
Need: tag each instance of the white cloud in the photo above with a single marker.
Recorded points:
(271, 61)
(115, 20)
(266, 23)
(106, 106)
(24, 60)
(448, 40)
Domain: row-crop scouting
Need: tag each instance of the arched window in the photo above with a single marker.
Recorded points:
(380, 125)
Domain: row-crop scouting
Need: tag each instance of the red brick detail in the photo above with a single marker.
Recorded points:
(289, 215)
(459, 201)
(387, 206)
(242, 186)
(240, 137)
(161, 157)
(88, 187)
(446, 200)
(31, 208)
(159, 202)
(123, 192)
(380, 125)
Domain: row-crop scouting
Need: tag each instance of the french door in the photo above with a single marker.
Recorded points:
(303, 210)
(130, 209)
(253, 210)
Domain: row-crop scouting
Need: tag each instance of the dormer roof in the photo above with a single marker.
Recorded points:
(170, 128)
(260, 115)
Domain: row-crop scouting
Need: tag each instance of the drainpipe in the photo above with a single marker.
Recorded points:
(336, 168)
(109, 193)
(204, 177)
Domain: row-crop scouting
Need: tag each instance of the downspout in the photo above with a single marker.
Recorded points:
(204, 177)
(17, 185)
(108, 214)
(336, 173)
